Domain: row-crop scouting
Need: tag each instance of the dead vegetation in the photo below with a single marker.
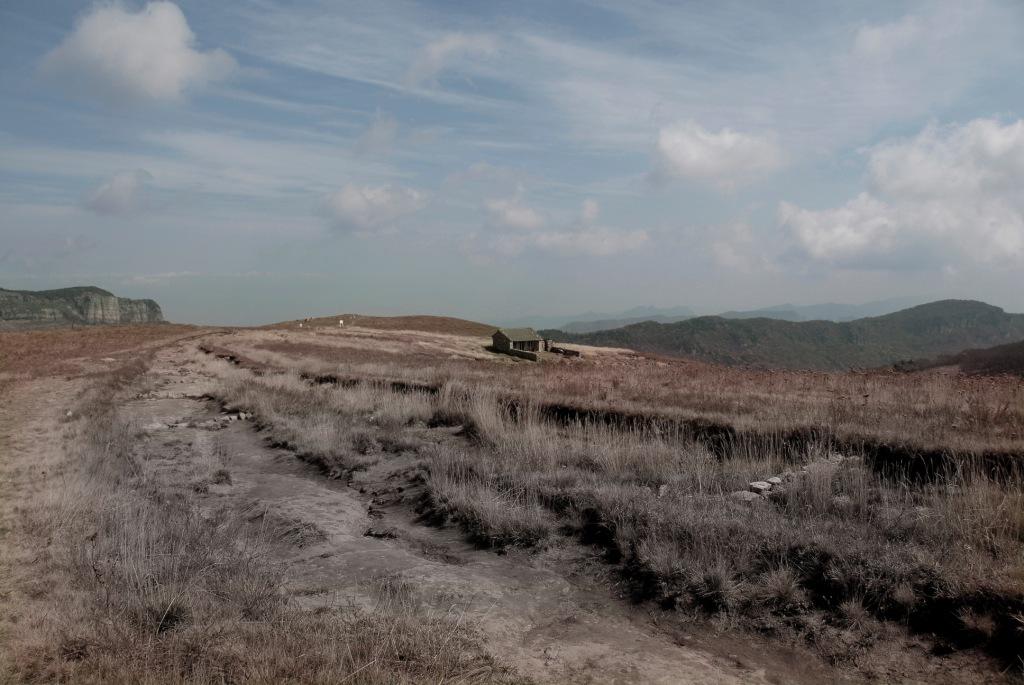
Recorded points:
(922, 411)
(146, 585)
(841, 557)
(49, 351)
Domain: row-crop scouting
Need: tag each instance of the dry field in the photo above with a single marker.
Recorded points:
(54, 351)
(404, 505)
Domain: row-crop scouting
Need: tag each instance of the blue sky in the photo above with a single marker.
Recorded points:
(253, 161)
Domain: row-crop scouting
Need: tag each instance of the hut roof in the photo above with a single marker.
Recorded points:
(519, 334)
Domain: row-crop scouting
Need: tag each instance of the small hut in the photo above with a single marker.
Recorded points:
(516, 340)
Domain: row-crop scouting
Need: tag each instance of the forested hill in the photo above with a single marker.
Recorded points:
(925, 331)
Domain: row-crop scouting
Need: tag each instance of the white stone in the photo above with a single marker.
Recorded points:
(745, 496)
(760, 486)
(775, 480)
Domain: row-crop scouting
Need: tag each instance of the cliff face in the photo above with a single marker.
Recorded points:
(85, 306)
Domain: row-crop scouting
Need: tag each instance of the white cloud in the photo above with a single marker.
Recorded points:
(121, 194)
(122, 56)
(946, 196)
(379, 136)
(369, 209)
(512, 213)
(520, 228)
(726, 158)
(438, 54)
(884, 41)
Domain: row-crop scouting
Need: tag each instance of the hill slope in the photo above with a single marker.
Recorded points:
(428, 324)
(928, 330)
(988, 361)
(85, 305)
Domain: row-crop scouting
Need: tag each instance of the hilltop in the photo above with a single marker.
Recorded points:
(428, 324)
(82, 305)
(924, 331)
(592, 322)
(987, 361)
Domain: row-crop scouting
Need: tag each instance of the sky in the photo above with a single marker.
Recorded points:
(262, 160)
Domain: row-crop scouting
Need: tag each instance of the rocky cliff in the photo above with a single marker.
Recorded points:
(85, 305)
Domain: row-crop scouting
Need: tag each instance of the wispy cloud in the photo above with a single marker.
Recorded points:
(120, 194)
(371, 209)
(442, 52)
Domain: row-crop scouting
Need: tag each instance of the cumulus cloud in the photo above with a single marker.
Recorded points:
(948, 195)
(117, 55)
(512, 213)
(120, 194)
(440, 53)
(518, 228)
(725, 158)
(371, 209)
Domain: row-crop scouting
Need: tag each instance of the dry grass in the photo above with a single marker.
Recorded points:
(34, 353)
(147, 586)
(928, 410)
(839, 557)
(429, 324)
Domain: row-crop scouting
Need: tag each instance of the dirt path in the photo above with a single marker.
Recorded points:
(536, 612)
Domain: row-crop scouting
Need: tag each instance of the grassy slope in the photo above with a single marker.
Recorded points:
(983, 362)
(428, 324)
(924, 331)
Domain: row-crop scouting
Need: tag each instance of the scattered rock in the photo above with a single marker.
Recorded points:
(745, 496)
(662, 490)
(774, 481)
(760, 487)
(389, 533)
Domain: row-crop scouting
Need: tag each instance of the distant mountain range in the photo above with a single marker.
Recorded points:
(594, 321)
(925, 331)
(84, 305)
(829, 311)
(588, 322)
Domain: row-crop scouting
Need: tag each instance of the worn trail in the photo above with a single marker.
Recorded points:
(540, 613)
